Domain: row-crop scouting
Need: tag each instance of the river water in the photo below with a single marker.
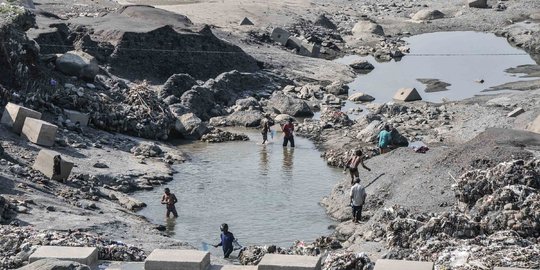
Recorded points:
(266, 193)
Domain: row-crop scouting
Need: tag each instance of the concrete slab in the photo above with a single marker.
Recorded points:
(535, 125)
(508, 268)
(173, 259)
(14, 116)
(39, 131)
(280, 35)
(120, 265)
(233, 267)
(77, 117)
(407, 94)
(289, 262)
(516, 112)
(45, 163)
(84, 255)
(402, 265)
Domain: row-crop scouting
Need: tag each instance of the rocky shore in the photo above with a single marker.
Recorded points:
(146, 75)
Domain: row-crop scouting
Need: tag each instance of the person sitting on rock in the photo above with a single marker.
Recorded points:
(227, 239)
(288, 130)
(384, 139)
(352, 165)
(358, 198)
(170, 200)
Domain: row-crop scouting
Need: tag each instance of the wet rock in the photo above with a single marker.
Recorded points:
(284, 104)
(147, 149)
(477, 3)
(434, 85)
(54, 264)
(337, 88)
(367, 27)
(177, 85)
(78, 63)
(199, 100)
(218, 135)
(362, 97)
(100, 165)
(427, 14)
(245, 118)
(362, 66)
(190, 126)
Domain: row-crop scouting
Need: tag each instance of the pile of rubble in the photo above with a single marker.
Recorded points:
(496, 223)
(347, 261)
(18, 243)
(218, 135)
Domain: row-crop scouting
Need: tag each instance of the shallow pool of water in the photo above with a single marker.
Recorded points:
(458, 58)
(266, 193)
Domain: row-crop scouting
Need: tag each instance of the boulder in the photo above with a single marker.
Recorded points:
(199, 100)
(323, 21)
(190, 126)
(282, 103)
(246, 103)
(535, 125)
(282, 118)
(54, 264)
(78, 63)
(303, 47)
(362, 65)
(337, 88)
(362, 97)
(367, 27)
(477, 3)
(177, 85)
(245, 118)
(427, 14)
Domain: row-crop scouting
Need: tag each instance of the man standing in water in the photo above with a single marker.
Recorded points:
(358, 198)
(266, 123)
(170, 200)
(352, 165)
(288, 130)
(384, 139)
(227, 239)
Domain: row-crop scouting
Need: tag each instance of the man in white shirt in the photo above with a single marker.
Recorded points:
(358, 198)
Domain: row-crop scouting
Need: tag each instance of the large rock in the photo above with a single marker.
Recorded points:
(427, 14)
(362, 97)
(337, 88)
(282, 103)
(177, 85)
(367, 27)
(245, 118)
(246, 103)
(78, 63)
(477, 3)
(362, 66)
(190, 126)
(200, 101)
(54, 264)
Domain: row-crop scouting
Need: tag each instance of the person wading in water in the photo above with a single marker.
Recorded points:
(288, 130)
(170, 200)
(227, 239)
(352, 165)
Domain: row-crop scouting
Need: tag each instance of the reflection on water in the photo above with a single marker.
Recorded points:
(170, 223)
(268, 194)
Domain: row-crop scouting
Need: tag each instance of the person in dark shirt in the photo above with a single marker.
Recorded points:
(288, 130)
(227, 239)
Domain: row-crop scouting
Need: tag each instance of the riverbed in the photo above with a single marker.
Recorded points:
(267, 194)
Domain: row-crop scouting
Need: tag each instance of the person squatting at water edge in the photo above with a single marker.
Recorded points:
(384, 139)
(227, 239)
(358, 198)
(288, 135)
(352, 165)
(170, 200)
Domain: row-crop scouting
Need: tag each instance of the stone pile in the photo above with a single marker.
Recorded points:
(496, 223)
(218, 135)
(147, 149)
(18, 243)
(345, 260)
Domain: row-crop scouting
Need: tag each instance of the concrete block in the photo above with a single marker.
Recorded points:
(45, 163)
(39, 131)
(289, 262)
(303, 47)
(233, 267)
(14, 116)
(84, 255)
(509, 268)
(402, 265)
(535, 125)
(246, 21)
(172, 259)
(407, 94)
(516, 112)
(280, 35)
(75, 116)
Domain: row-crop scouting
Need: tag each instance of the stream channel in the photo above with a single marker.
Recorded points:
(270, 194)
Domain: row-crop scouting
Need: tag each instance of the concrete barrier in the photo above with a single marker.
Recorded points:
(84, 255)
(45, 163)
(407, 94)
(170, 259)
(14, 116)
(39, 131)
(77, 117)
(402, 265)
(289, 262)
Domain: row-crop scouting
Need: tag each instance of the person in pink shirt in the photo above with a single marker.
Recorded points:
(288, 130)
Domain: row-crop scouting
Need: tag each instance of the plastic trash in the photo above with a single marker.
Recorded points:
(205, 246)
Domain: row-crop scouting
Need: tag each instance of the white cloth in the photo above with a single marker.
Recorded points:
(358, 194)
